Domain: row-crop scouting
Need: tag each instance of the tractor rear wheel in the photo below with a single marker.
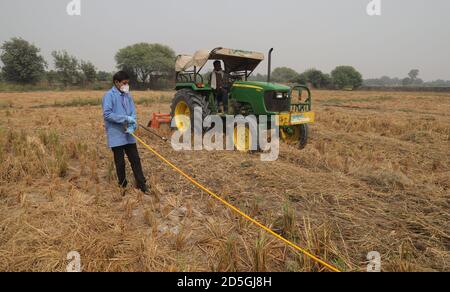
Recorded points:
(296, 135)
(184, 104)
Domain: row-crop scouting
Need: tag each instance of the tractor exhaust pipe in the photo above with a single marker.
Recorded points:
(270, 65)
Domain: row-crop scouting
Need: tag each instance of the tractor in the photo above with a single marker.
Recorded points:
(245, 97)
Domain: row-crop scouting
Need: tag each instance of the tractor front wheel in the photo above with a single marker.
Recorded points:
(296, 135)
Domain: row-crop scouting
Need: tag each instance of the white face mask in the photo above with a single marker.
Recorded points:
(125, 88)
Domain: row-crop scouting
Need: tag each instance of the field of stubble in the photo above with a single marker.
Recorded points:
(375, 177)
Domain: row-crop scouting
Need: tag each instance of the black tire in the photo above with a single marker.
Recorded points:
(193, 100)
(304, 135)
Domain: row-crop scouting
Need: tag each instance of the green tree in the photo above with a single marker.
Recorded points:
(52, 77)
(383, 81)
(104, 76)
(439, 83)
(346, 76)
(413, 79)
(327, 81)
(89, 72)
(316, 78)
(284, 74)
(66, 67)
(302, 79)
(407, 81)
(146, 63)
(258, 77)
(22, 62)
(413, 74)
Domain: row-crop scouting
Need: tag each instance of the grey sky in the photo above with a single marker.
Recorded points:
(305, 33)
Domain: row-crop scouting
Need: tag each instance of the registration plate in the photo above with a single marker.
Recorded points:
(299, 119)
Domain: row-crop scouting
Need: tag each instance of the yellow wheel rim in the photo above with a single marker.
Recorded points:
(242, 139)
(291, 136)
(182, 116)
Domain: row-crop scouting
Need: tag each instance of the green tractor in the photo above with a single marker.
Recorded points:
(245, 97)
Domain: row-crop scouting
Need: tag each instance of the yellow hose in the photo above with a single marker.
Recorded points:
(267, 229)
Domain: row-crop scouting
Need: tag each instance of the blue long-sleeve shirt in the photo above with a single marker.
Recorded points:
(117, 106)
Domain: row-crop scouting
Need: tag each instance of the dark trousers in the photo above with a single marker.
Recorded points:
(222, 98)
(135, 161)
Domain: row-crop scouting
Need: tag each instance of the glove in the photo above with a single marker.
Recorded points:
(131, 120)
(131, 128)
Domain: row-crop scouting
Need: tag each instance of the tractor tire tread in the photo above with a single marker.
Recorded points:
(193, 100)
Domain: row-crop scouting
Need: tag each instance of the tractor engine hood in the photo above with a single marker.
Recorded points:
(264, 86)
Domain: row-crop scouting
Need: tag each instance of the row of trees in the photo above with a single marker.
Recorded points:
(70, 71)
(341, 77)
(146, 63)
(411, 80)
(151, 66)
(22, 63)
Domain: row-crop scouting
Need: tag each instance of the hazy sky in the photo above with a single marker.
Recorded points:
(305, 33)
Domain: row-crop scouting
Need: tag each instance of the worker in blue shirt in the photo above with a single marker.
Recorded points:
(119, 113)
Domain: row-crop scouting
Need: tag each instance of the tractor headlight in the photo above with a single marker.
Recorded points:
(281, 95)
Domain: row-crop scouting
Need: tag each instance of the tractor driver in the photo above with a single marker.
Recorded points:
(219, 85)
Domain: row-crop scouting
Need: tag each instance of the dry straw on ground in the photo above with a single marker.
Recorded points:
(375, 177)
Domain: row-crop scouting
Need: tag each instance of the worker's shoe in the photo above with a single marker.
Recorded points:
(145, 189)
